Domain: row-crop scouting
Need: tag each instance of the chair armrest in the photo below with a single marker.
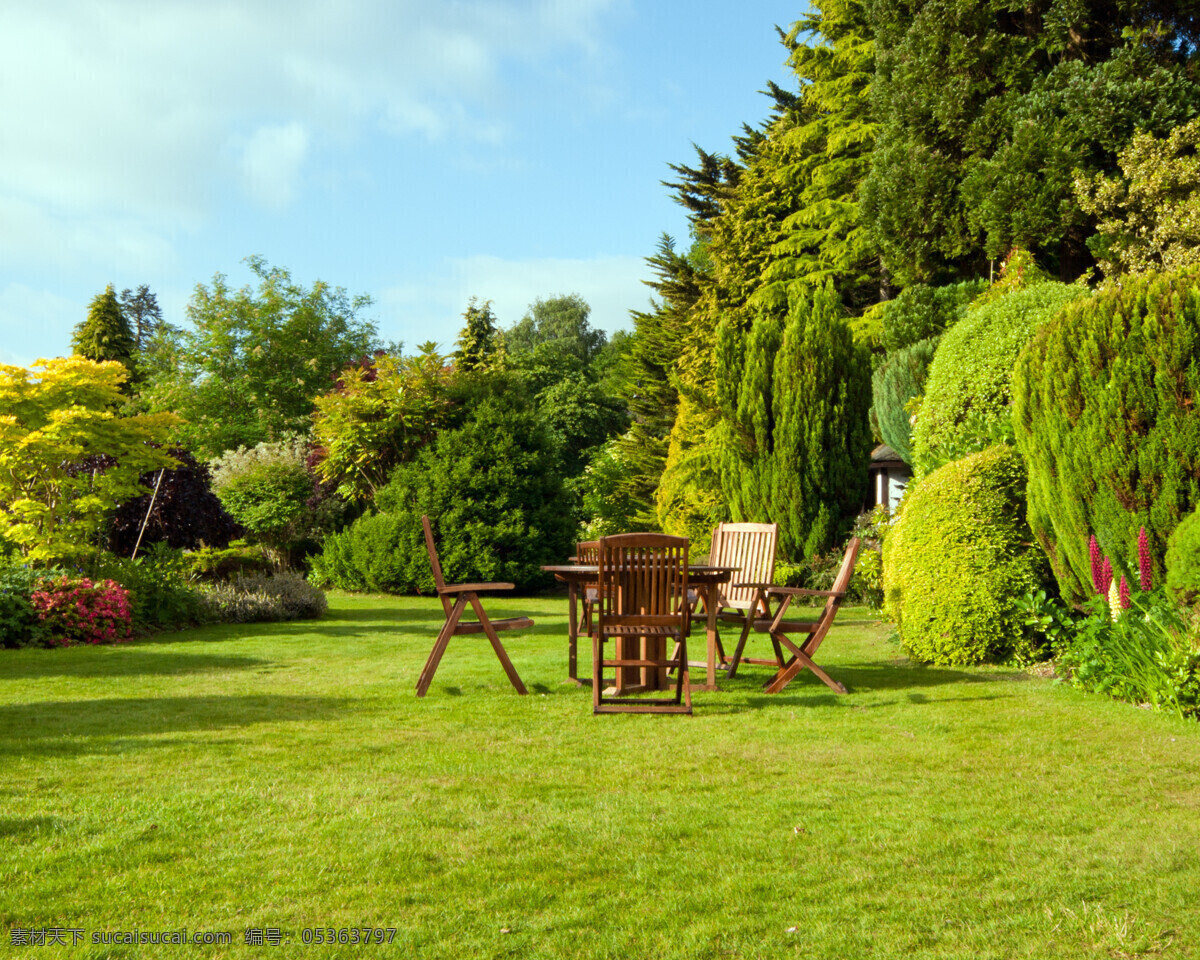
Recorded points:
(476, 587)
(801, 592)
(756, 586)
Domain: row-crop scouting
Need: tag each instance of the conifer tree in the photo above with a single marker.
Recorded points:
(143, 314)
(105, 334)
(479, 343)
(796, 440)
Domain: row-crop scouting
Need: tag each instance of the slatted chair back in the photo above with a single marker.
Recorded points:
(438, 580)
(587, 552)
(643, 579)
(750, 549)
(841, 583)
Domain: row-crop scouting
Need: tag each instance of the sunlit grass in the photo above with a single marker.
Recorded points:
(287, 776)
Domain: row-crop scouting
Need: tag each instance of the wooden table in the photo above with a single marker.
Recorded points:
(704, 578)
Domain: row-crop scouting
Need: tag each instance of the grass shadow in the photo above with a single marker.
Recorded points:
(83, 662)
(67, 727)
(16, 828)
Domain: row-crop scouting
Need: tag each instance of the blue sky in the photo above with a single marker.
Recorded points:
(419, 152)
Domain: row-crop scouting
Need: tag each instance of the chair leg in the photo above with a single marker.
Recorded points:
(501, 653)
(439, 647)
(683, 689)
(799, 661)
(741, 645)
(597, 677)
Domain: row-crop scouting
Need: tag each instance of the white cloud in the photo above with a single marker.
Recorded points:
(612, 286)
(137, 116)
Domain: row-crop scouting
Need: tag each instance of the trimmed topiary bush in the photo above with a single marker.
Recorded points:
(958, 556)
(967, 403)
(1105, 416)
(898, 380)
(1183, 560)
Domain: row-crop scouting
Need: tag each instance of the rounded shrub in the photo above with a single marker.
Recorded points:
(899, 379)
(1183, 560)
(956, 559)
(967, 402)
(1104, 411)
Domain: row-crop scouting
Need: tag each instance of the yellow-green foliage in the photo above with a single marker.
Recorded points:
(958, 556)
(968, 392)
(1105, 415)
(689, 498)
(1150, 215)
(53, 417)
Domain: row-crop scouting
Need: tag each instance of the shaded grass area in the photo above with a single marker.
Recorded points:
(285, 775)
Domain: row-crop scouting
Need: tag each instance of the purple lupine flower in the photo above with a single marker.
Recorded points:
(1106, 577)
(1124, 593)
(1094, 554)
(1145, 568)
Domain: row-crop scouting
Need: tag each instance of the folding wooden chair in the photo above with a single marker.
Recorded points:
(466, 593)
(750, 549)
(641, 604)
(779, 628)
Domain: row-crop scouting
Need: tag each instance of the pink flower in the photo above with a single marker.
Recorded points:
(1095, 556)
(1124, 593)
(1145, 568)
(1106, 577)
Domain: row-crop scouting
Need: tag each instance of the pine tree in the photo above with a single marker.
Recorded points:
(105, 334)
(143, 314)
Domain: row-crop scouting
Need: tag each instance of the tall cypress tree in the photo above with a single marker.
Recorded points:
(796, 440)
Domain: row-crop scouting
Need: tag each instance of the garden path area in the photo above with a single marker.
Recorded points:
(286, 776)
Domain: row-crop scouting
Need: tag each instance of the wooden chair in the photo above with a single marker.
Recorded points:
(466, 593)
(750, 549)
(587, 553)
(779, 628)
(641, 603)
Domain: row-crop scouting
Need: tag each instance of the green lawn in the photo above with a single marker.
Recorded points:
(286, 776)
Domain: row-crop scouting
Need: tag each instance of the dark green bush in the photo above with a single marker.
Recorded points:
(20, 625)
(956, 559)
(1183, 560)
(922, 311)
(494, 491)
(967, 401)
(1105, 415)
(899, 379)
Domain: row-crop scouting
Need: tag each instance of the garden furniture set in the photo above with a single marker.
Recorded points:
(639, 592)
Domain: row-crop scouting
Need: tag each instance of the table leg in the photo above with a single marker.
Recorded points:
(710, 610)
(572, 631)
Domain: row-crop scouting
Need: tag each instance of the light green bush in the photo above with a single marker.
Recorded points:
(957, 558)
(1183, 560)
(922, 311)
(967, 401)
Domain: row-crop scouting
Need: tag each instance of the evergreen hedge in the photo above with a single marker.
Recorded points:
(967, 403)
(957, 557)
(1104, 412)
(1183, 560)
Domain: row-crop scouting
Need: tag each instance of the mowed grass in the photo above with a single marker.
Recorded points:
(286, 776)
